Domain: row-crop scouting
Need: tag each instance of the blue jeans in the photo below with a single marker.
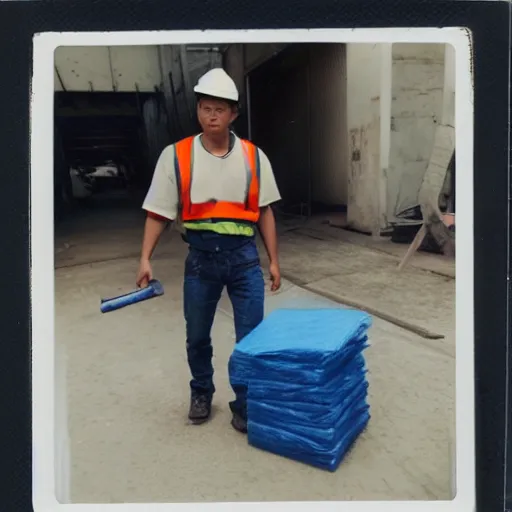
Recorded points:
(215, 262)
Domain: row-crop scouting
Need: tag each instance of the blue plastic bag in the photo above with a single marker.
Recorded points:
(315, 336)
(302, 449)
(304, 413)
(294, 391)
(245, 369)
(315, 439)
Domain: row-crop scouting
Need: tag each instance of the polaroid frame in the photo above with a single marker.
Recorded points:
(42, 254)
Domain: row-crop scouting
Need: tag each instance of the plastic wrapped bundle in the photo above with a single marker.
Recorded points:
(271, 369)
(297, 414)
(302, 448)
(306, 380)
(293, 391)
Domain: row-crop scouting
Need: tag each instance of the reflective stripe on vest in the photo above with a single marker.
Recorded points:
(248, 211)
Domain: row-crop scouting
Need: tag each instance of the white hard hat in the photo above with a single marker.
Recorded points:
(217, 83)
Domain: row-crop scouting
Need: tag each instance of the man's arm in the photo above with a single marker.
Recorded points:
(267, 227)
(269, 194)
(161, 202)
(161, 205)
(153, 229)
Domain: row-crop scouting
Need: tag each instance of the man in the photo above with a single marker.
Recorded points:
(221, 188)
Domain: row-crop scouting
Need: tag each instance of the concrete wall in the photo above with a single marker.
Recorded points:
(367, 122)
(397, 95)
(101, 68)
(416, 110)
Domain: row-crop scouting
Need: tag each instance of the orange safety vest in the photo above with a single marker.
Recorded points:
(248, 211)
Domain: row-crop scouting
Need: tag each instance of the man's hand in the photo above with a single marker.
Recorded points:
(154, 227)
(144, 274)
(275, 276)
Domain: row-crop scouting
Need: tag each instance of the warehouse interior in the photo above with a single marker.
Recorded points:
(92, 129)
(115, 110)
(319, 111)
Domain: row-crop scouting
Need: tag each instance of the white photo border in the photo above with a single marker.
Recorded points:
(43, 273)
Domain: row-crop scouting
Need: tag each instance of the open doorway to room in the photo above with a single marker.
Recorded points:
(297, 104)
(101, 148)
(115, 110)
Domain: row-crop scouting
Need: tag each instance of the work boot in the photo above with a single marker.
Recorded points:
(200, 409)
(239, 424)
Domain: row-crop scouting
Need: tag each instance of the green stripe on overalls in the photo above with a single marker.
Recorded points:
(221, 228)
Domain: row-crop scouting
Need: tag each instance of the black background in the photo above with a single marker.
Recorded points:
(489, 23)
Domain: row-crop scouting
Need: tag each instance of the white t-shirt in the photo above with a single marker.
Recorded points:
(213, 178)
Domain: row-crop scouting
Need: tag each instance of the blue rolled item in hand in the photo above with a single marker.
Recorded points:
(153, 289)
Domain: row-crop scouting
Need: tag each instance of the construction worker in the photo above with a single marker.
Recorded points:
(220, 188)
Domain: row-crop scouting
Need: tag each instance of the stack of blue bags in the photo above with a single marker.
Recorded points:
(306, 379)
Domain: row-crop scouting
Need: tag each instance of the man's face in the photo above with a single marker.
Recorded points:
(215, 116)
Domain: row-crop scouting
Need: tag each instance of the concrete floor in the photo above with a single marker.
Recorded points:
(127, 376)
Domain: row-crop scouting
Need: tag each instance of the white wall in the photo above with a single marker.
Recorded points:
(101, 68)
(395, 97)
(367, 71)
(416, 110)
